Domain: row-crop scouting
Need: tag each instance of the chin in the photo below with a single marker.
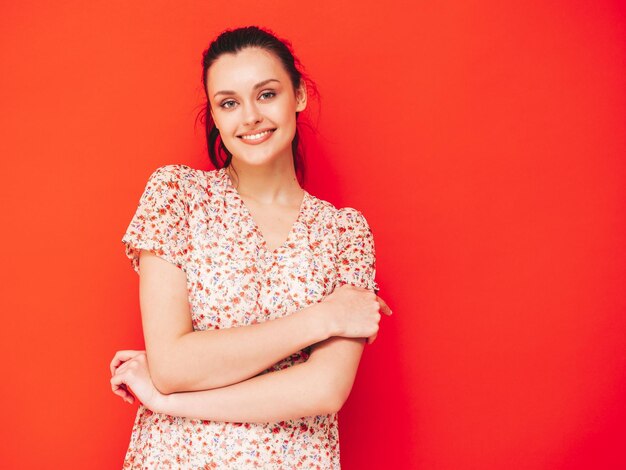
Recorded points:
(260, 156)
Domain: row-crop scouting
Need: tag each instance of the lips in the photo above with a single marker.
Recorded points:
(256, 135)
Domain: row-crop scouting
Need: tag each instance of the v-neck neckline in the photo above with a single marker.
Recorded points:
(255, 226)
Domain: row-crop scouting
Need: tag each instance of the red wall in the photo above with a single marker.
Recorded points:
(484, 142)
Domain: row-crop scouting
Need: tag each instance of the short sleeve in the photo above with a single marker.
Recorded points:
(356, 261)
(160, 223)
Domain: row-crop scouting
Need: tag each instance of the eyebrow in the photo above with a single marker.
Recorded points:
(258, 85)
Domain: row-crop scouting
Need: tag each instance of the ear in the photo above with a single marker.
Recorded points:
(301, 97)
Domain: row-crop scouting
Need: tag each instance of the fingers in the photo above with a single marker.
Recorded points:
(124, 363)
(123, 368)
(372, 338)
(125, 395)
(384, 307)
(118, 387)
(131, 364)
(386, 310)
(121, 357)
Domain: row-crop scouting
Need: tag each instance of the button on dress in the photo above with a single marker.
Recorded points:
(196, 220)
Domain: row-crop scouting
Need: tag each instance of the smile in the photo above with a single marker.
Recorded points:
(258, 137)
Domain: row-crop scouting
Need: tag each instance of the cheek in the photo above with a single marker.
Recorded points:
(225, 123)
(286, 115)
(282, 109)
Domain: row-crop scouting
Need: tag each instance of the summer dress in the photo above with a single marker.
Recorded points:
(196, 220)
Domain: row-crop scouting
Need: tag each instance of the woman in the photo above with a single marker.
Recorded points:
(256, 297)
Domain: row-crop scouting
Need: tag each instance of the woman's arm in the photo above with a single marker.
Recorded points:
(182, 359)
(187, 360)
(316, 387)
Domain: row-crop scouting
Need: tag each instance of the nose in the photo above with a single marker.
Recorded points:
(252, 115)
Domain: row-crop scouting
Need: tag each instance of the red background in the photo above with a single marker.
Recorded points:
(483, 141)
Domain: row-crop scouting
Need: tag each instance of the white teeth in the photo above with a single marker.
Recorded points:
(255, 136)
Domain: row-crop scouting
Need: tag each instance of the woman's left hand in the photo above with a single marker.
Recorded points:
(135, 375)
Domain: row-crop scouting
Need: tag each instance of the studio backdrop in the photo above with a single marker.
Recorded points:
(484, 142)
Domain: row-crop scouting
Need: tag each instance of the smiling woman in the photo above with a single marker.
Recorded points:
(256, 296)
(252, 112)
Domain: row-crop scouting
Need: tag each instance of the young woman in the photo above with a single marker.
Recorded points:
(256, 296)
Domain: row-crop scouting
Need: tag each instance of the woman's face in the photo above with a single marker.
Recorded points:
(253, 104)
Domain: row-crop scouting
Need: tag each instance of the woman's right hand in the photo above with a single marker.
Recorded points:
(355, 312)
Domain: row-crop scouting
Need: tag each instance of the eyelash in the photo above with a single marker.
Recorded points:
(225, 102)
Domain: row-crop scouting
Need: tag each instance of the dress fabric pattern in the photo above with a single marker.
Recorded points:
(196, 220)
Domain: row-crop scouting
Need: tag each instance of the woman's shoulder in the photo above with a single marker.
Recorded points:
(339, 220)
(182, 177)
(340, 215)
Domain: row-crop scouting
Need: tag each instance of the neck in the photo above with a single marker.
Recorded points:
(268, 184)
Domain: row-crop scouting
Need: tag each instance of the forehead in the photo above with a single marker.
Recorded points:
(243, 70)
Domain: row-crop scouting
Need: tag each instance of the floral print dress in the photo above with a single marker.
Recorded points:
(196, 220)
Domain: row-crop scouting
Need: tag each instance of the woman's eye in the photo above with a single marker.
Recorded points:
(268, 94)
(227, 104)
